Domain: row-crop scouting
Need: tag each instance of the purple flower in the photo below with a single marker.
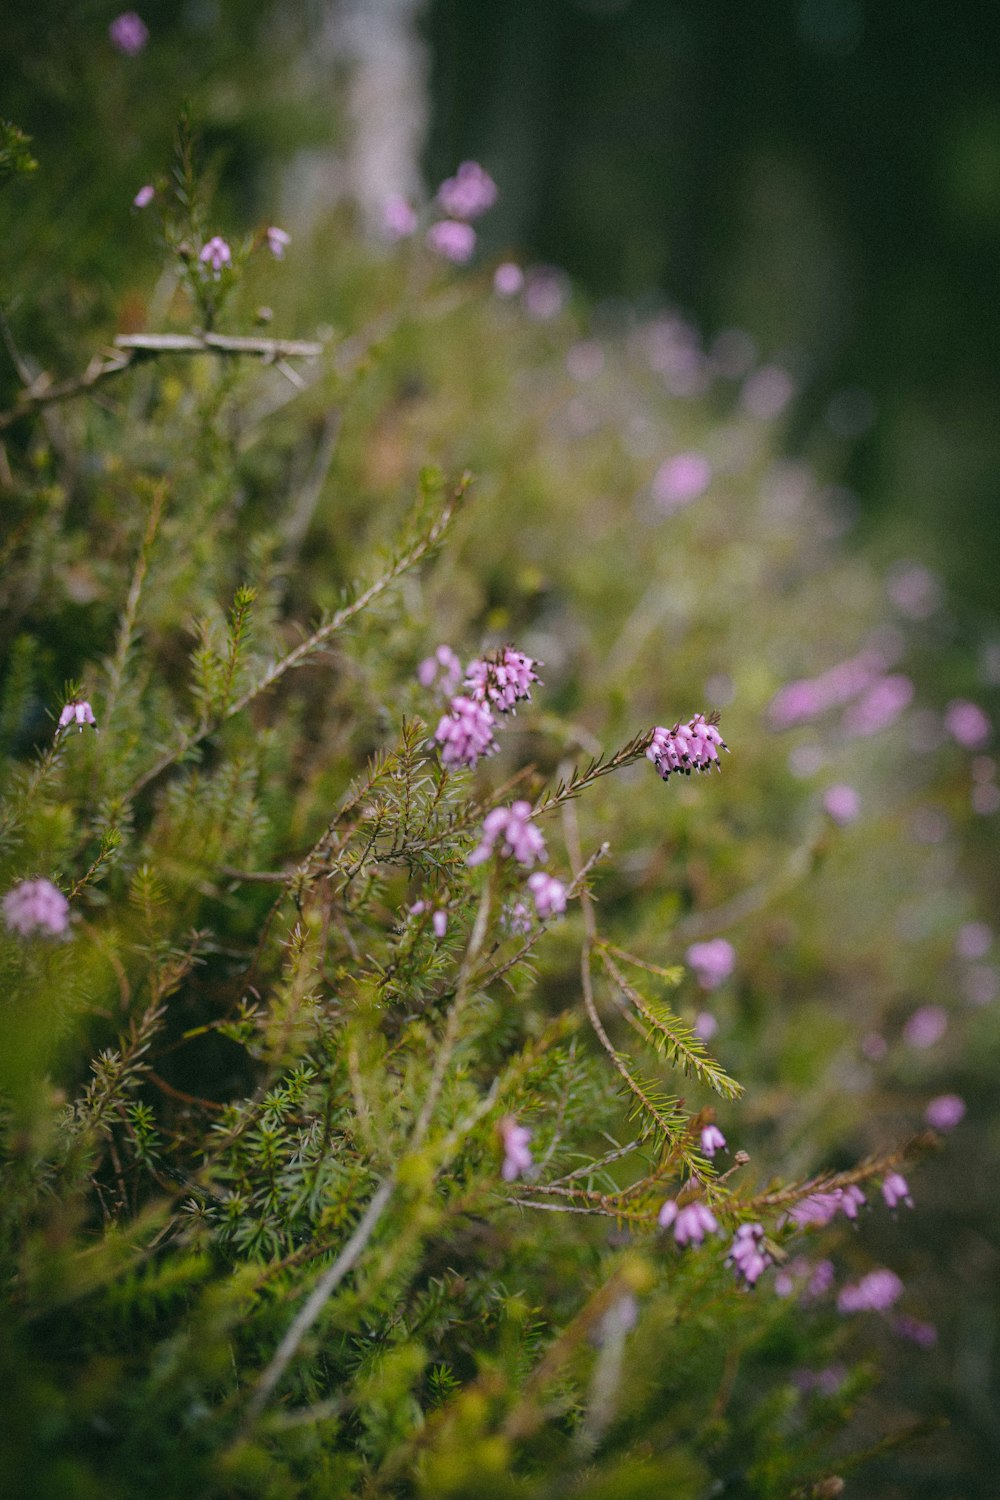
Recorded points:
(144, 196)
(851, 1199)
(924, 1335)
(513, 828)
(926, 1026)
(399, 217)
(216, 254)
(78, 711)
(691, 1223)
(508, 279)
(712, 961)
(452, 239)
(705, 1025)
(875, 1292)
(842, 804)
(443, 671)
(712, 1140)
(469, 193)
(914, 590)
(516, 1156)
(747, 1254)
(880, 706)
(465, 733)
(820, 1208)
(278, 241)
(767, 392)
(820, 1281)
(36, 906)
(129, 33)
(974, 940)
(967, 724)
(516, 919)
(548, 893)
(502, 679)
(895, 1190)
(945, 1112)
(687, 747)
(807, 697)
(439, 916)
(680, 480)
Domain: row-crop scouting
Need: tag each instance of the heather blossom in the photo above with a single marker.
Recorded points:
(516, 1156)
(144, 196)
(399, 217)
(712, 1140)
(508, 279)
(945, 1112)
(967, 724)
(465, 733)
(895, 1190)
(439, 916)
(687, 747)
(79, 712)
(469, 193)
(681, 479)
(875, 1292)
(36, 906)
(691, 1223)
(747, 1254)
(503, 679)
(926, 1026)
(453, 239)
(549, 894)
(819, 1208)
(842, 804)
(516, 919)
(441, 670)
(513, 828)
(278, 241)
(128, 33)
(880, 706)
(215, 253)
(712, 961)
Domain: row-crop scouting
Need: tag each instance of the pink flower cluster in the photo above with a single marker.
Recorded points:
(820, 1208)
(548, 893)
(216, 254)
(712, 961)
(691, 1223)
(516, 1156)
(747, 1254)
(495, 683)
(469, 193)
(875, 1292)
(511, 828)
(687, 747)
(128, 33)
(808, 697)
(36, 906)
(79, 712)
(439, 916)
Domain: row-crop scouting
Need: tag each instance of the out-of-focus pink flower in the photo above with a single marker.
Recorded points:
(705, 1025)
(453, 239)
(924, 1335)
(513, 829)
(79, 712)
(544, 293)
(465, 733)
(851, 1199)
(895, 1190)
(680, 480)
(548, 893)
(144, 196)
(808, 697)
(747, 1254)
(215, 254)
(442, 670)
(874, 1046)
(691, 1223)
(981, 984)
(469, 193)
(767, 392)
(973, 940)
(439, 916)
(712, 961)
(278, 241)
(880, 706)
(875, 1292)
(967, 724)
(820, 1282)
(819, 1208)
(399, 217)
(516, 919)
(712, 1140)
(985, 798)
(516, 1156)
(914, 590)
(502, 679)
(687, 747)
(508, 279)
(945, 1112)
(129, 33)
(926, 1026)
(36, 906)
(842, 804)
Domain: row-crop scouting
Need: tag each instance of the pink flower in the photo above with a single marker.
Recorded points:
(687, 747)
(216, 254)
(36, 906)
(442, 670)
(516, 919)
(767, 392)
(974, 940)
(914, 590)
(508, 279)
(503, 678)
(875, 1292)
(469, 193)
(820, 1208)
(513, 828)
(128, 33)
(842, 804)
(439, 916)
(967, 724)
(399, 218)
(516, 1157)
(705, 1025)
(851, 1199)
(691, 1223)
(820, 1281)
(548, 893)
(924, 1335)
(895, 1190)
(452, 239)
(926, 1026)
(807, 697)
(945, 1112)
(680, 480)
(465, 733)
(712, 961)
(747, 1254)
(880, 706)
(712, 1140)
(78, 711)
(144, 196)
(278, 241)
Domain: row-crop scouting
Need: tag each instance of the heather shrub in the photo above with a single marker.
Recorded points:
(415, 1080)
